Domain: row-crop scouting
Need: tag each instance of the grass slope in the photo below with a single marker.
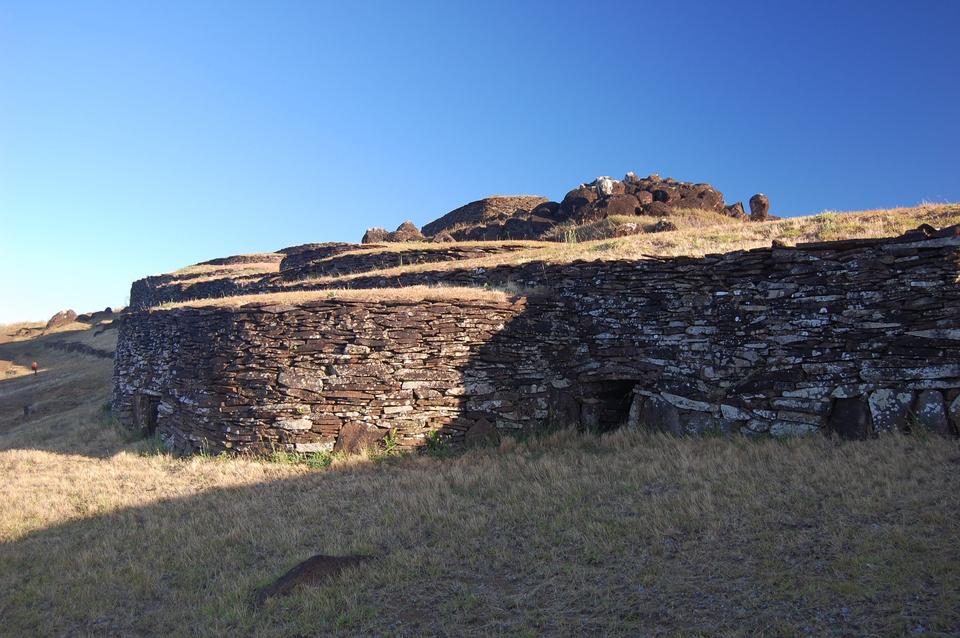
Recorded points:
(627, 535)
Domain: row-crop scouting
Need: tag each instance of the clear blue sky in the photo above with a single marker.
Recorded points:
(137, 137)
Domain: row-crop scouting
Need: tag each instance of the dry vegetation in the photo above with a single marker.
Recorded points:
(699, 235)
(269, 264)
(407, 294)
(566, 535)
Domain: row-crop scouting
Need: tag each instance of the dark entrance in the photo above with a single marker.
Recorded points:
(606, 405)
(146, 408)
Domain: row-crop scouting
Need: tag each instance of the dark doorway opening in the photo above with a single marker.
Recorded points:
(606, 405)
(147, 407)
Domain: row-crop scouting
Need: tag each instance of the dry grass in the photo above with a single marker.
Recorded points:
(614, 226)
(421, 245)
(409, 293)
(567, 535)
(699, 240)
(267, 265)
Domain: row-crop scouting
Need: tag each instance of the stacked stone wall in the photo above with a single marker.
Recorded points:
(150, 292)
(358, 262)
(852, 337)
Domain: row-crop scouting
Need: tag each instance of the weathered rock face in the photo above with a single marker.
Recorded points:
(483, 212)
(827, 337)
(759, 207)
(375, 236)
(62, 318)
(407, 231)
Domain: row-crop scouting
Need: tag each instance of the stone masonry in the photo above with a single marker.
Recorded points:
(856, 337)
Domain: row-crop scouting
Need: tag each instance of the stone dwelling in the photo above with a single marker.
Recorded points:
(854, 337)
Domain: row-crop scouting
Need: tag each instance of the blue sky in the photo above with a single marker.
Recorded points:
(138, 137)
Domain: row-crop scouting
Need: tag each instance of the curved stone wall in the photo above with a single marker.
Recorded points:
(367, 260)
(852, 337)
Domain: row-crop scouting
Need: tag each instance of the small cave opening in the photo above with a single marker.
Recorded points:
(147, 409)
(606, 406)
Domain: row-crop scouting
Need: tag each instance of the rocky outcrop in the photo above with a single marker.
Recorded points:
(484, 212)
(529, 217)
(62, 318)
(406, 232)
(635, 195)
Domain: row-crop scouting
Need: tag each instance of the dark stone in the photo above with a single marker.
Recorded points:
(313, 572)
(711, 199)
(374, 236)
(735, 210)
(482, 432)
(644, 197)
(931, 412)
(357, 437)
(759, 207)
(662, 195)
(443, 237)
(660, 415)
(564, 411)
(575, 201)
(619, 205)
(657, 209)
(546, 210)
(484, 211)
(662, 226)
(850, 419)
(407, 231)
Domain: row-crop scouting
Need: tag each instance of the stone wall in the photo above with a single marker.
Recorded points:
(150, 292)
(367, 260)
(855, 337)
(298, 256)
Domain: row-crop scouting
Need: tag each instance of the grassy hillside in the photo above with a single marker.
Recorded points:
(567, 535)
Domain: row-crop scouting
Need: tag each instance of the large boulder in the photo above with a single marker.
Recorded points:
(62, 318)
(575, 201)
(759, 207)
(619, 205)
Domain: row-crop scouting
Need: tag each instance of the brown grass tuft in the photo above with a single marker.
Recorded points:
(410, 293)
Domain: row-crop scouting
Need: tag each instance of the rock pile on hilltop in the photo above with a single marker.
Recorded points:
(533, 217)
